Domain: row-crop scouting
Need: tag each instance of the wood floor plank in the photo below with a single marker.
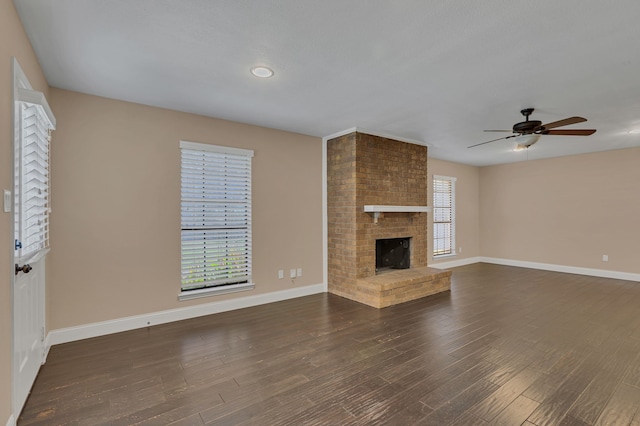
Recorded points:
(622, 407)
(593, 400)
(408, 414)
(468, 419)
(569, 420)
(192, 420)
(454, 408)
(516, 412)
(456, 386)
(556, 406)
(504, 396)
(547, 384)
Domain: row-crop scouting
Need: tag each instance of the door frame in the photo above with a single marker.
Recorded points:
(20, 79)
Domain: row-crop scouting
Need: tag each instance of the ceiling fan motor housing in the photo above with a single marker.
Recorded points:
(527, 127)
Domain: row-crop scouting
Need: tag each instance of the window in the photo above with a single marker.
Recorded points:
(444, 216)
(35, 121)
(216, 219)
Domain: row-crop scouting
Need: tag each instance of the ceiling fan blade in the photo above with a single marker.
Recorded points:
(565, 122)
(498, 130)
(570, 132)
(494, 140)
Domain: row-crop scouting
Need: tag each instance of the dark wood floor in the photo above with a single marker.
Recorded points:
(506, 346)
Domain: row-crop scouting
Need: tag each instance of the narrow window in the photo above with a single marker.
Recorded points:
(216, 219)
(444, 215)
(32, 175)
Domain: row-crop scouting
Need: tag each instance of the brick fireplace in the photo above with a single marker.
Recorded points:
(373, 171)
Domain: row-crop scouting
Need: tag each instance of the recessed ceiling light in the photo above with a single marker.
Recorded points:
(262, 72)
(634, 131)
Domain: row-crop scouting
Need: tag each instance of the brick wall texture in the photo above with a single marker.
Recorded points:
(364, 170)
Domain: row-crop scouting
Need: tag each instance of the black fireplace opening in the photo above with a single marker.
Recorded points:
(393, 253)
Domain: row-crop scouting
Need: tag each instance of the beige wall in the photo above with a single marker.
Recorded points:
(467, 207)
(13, 42)
(565, 211)
(115, 225)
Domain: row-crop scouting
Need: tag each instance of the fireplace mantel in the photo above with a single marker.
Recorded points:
(376, 210)
(396, 209)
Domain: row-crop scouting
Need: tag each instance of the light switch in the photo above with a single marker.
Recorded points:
(292, 273)
(7, 201)
(280, 274)
(299, 272)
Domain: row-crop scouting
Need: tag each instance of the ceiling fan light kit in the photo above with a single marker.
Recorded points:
(528, 132)
(525, 141)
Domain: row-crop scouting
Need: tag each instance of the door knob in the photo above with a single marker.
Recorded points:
(24, 268)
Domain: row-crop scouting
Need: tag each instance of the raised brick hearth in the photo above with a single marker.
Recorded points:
(402, 285)
(364, 169)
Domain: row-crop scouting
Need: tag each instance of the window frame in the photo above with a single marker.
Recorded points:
(31, 239)
(218, 153)
(452, 207)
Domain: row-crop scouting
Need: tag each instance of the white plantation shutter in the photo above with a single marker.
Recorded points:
(444, 212)
(32, 179)
(216, 216)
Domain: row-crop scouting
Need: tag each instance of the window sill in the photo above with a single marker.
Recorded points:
(214, 291)
(443, 256)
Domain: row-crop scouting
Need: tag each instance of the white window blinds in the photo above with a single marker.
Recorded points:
(216, 216)
(444, 212)
(32, 175)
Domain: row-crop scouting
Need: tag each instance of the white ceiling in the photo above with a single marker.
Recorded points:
(433, 71)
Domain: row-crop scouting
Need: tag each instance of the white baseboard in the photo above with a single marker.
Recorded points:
(11, 421)
(603, 273)
(562, 268)
(454, 263)
(86, 331)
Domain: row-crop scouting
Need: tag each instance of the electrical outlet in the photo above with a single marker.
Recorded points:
(459, 249)
(299, 272)
(605, 257)
(292, 273)
(280, 274)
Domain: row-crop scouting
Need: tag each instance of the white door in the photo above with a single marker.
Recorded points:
(33, 122)
(28, 330)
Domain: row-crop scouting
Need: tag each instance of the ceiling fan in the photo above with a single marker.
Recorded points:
(529, 131)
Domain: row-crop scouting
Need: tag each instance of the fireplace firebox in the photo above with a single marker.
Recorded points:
(393, 253)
